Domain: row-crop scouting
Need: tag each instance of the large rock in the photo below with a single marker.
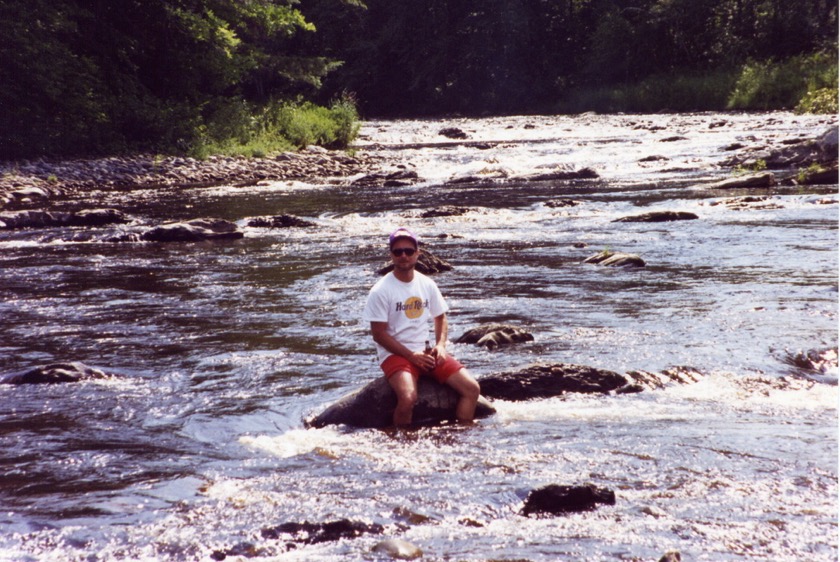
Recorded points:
(373, 406)
(492, 336)
(427, 264)
(750, 181)
(615, 259)
(555, 499)
(44, 219)
(659, 216)
(55, 373)
(193, 231)
(547, 380)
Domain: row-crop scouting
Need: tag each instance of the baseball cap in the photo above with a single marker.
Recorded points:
(402, 233)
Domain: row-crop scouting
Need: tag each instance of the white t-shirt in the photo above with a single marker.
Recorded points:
(408, 309)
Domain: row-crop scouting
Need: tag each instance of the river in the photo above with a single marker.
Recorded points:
(222, 349)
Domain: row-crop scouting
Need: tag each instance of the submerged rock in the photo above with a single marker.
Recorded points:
(314, 533)
(280, 221)
(492, 336)
(387, 179)
(193, 231)
(398, 549)
(548, 380)
(373, 406)
(55, 373)
(445, 211)
(44, 219)
(453, 133)
(659, 216)
(615, 259)
(555, 499)
(560, 175)
(427, 264)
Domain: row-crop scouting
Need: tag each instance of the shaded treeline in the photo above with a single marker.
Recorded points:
(94, 76)
(408, 57)
(82, 76)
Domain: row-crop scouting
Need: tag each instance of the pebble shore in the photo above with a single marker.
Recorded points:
(25, 183)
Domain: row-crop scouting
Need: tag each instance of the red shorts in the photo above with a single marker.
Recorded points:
(396, 363)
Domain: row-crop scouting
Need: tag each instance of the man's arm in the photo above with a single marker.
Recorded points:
(379, 330)
(441, 334)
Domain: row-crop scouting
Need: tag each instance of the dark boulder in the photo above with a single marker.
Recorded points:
(561, 203)
(615, 259)
(55, 373)
(196, 230)
(373, 406)
(44, 219)
(819, 175)
(314, 533)
(555, 499)
(453, 133)
(659, 216)
(427, 264)
(671, 556)
(547, 380)
(492, 336)
(445, 211)
(387, 179)
(280, 221)
(561, 175)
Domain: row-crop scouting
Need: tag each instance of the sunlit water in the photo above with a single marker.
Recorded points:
(223, 348)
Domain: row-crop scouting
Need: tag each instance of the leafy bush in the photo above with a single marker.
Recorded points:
(682, 92)
(239, 129)
(823, 100)
(776, 85)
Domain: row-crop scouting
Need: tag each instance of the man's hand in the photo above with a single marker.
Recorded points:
(425, 361)
(439, 353)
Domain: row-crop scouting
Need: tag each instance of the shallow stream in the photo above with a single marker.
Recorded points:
(223, 348)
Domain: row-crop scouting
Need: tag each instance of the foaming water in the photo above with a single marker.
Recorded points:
(219, 351)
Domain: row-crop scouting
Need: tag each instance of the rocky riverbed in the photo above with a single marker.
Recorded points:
(32, 183)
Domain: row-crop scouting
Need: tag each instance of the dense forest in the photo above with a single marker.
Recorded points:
(100, 76)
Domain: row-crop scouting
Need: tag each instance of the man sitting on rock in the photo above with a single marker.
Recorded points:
(399, 308)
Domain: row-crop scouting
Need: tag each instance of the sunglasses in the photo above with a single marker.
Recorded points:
(400, 251)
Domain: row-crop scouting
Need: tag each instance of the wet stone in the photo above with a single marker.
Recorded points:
(556, 499)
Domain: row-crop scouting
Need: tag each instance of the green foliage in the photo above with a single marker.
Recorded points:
(86, 77)
(773, 85)
(277, 127)
(680, 92)
(823, 100)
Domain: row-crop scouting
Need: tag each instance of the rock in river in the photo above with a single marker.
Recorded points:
(659, 216)
(44, 219)
(547, 380)
(373, 406)
(556, 499)
(492, 336)
(615, 259)
(427, 264)
(55, 373)
(193, 231)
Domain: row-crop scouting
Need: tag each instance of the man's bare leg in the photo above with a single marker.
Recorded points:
(469, 390)
(406, 389)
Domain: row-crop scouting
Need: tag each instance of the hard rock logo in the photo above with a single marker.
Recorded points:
(413, 307)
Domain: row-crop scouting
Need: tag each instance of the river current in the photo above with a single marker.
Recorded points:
(222, 349)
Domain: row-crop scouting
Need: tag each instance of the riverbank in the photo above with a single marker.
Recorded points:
(32, 183)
